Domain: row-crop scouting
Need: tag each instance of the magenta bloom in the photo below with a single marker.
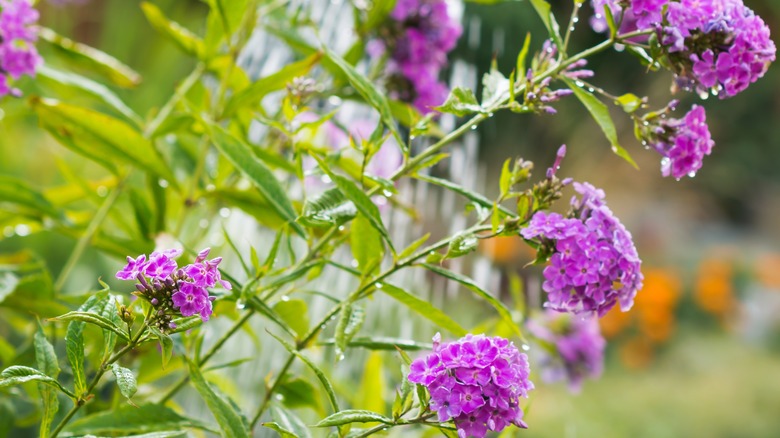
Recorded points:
(161, 264)
(476, 381)
(720, 46)
(579, 347)
(682, 142)
(205, 273)
(594, 263)
(133, 268)
(18, 56)
(190, 299)
(417, 40)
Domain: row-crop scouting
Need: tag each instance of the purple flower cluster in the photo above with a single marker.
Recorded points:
(417, 41)
(476, 381)
(18, 56)
(578, 344)
(682, 142)
(169, 288)
(594, 263)
(639, 14)
(717, 45)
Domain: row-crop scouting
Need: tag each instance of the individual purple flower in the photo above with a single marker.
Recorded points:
(417, 38)
(132, 268)
(717, 46)
(475, 381)
(683, 143)
(161, 264)
(190, 299)
(578, 347)
(205, 273)
(593, 262)
(18, 55)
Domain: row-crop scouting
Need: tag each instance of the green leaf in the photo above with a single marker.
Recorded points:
(74, 347)
(254, 94)
(298, 392)
(372, 385)
(110, 312)
(125, 380)
(230, 422)
(629, 102)
(166, 345)
(46, 360)
(414, 246)
(129, 420)
(327, 209)
(186, 323)
(353, 416)
(494, 87)
(91, 59)
(369, 92)
(187, 41)
(424, 308)
(461, 244)
(502, 310)
(92, 318)
(366, 244)
(18, 192)
(544, 11)
(521, 58)
(470, 195)
(382, 343)
(317, 371)
(100, 137)
(350, 322)
(16, 375)
(600, 114)
(362, 202)
(283, 433)
(288, 421)
(295, 313)
(239, 154)
(72, 81)
(460, 102)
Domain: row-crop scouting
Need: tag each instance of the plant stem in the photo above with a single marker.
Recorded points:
(85, 238)
(271, 390)
(82, 399)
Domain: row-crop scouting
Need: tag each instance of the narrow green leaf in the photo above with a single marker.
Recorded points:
(327, 209)
(239, 154)
(470, 195)
(366, 244)
(74, 82)
(494, 87)
(261, 307)
(187, 41)
(283, 433)
(91, 59)
(46, 360)
(414, 246)
(16, 375)
(600, 113)
(109, 312)
(254, 94)
(92, 318)
(186, 323)
(287, 420)
(381, 343)
(521, 58)
(100, 137)
(353, 416)
(317, 371)
(125, 380)
(461, 244)
(502, 310)
(166, 345)
(362, 202)
(74, 347)
(129, 420)
(629, 102)
(350, 322)
(18, 192)
(295, 313)
(544, 11)
(230, 421)
(424, 308)
(369, 92)
(461, 102)
(297, 392)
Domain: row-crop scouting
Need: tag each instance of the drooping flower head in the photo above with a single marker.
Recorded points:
(174, 291)
(593, 261)
(18, 56)
(683, 143)
(476, 381)
(578, 347)
(632, 15)
(416, 40)
(717, 46)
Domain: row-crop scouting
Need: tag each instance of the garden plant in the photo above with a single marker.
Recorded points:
(322, 184)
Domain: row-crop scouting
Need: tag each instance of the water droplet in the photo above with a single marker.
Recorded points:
(525, 347)
(340, 357)
(490, 115)
(378, 285)
(591, 89)
(412, 137)
(571, 28)
(387, 193)
(284, 298)
(22, 230)
(163, 183)
(334, 100)
(579, 83)
(326, 179)
(240, 305)
(576, 20)
(474, 127)
(354, 263)
(692, 174)
(204, 223)
(645, 123)
(102, 191)
(224, 212)
(341, 228)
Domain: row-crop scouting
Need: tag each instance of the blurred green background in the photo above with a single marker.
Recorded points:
(699, 355)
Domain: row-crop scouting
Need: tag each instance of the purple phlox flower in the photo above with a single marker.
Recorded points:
(594, 263)
(683, 143)
(161, 264)
(192, 299)
(132, 268)
(476, 381)
(718, 46)
(579, 347)
(205, 273)
(18, 55)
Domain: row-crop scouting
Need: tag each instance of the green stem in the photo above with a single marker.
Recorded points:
(89, 233)
(270, 391)
(178, 95)
(570, 27)
(82, 399)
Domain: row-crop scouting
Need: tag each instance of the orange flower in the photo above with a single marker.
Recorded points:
(714, 291)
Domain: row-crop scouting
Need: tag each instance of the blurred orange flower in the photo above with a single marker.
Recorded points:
(714, 290)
